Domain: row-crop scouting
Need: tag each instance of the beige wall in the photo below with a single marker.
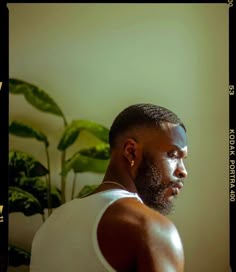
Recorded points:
(96, 59)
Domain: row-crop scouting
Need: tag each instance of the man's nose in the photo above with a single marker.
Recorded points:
(181, 171)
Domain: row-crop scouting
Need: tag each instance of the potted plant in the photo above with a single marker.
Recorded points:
(31, 190)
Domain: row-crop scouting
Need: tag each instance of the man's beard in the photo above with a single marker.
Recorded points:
(150, 189)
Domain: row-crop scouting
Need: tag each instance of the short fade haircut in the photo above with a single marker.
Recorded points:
(141, 115)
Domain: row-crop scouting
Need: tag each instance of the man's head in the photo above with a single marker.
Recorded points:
(154, 139)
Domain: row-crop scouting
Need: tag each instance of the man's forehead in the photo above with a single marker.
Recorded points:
(172, 134)
(164, 134)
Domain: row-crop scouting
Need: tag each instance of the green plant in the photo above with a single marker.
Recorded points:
(30, 186)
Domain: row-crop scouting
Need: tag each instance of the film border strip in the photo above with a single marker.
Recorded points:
(4, 76)
(232, 197)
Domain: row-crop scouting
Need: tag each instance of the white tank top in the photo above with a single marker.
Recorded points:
(67, 240)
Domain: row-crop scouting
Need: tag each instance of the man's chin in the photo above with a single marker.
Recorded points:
(165, 208)
(172, 198)
(167, 211)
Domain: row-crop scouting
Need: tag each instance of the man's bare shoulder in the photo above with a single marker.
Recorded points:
(132, 211)
(148, 240)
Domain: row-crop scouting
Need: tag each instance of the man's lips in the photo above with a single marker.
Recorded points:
(178, 185)
(175, 188)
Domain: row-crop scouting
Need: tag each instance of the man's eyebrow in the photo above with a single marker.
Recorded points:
(180, 149)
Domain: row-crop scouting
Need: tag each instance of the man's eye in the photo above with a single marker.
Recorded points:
(173, 155)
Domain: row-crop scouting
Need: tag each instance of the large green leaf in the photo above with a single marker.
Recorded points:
(35, 96)
(80, 164)
(18, 256)
(19, 129)
(100, 151)
(86, 190)
(22, 201)
(38, 188)
(23, 164)
(73, 130)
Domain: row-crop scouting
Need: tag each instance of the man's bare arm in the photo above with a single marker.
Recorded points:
(141, 239)
(160, 249)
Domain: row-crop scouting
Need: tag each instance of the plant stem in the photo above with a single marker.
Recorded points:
(63, 178)
(73, 187)
(64, 120)
(49, 182)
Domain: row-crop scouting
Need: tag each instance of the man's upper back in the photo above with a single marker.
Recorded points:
(67, 241)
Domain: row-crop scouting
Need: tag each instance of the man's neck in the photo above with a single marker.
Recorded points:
(118, 175)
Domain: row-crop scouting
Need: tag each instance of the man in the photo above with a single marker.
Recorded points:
(122, 226)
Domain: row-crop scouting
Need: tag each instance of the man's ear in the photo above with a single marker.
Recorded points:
(131, 150)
